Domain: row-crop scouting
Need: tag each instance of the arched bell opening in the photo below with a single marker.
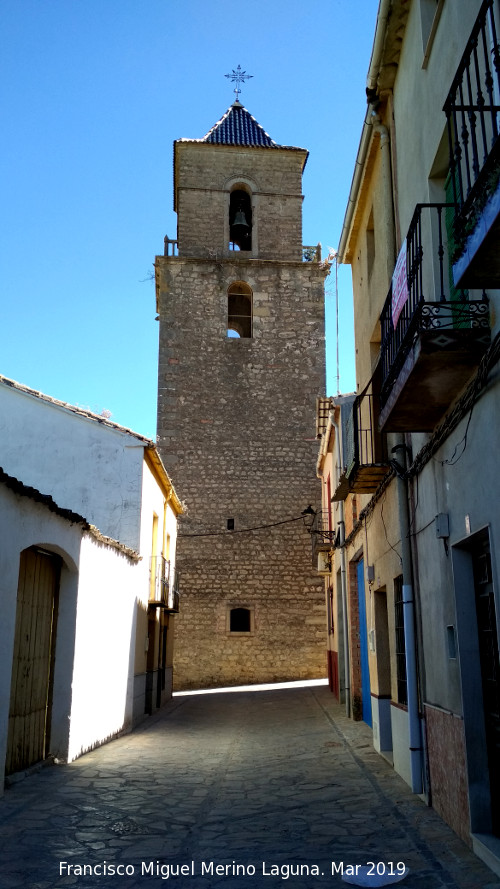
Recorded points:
(240, 220)
(239, 310)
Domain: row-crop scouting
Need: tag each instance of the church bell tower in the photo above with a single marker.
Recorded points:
(241, 363)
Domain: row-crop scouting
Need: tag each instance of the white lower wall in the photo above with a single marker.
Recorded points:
(103, 672)
(102, 592)
(401, 743)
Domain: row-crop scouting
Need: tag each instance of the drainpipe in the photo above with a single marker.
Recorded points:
(414, 728)
(343, 583)
(378, 44)
(387, 214)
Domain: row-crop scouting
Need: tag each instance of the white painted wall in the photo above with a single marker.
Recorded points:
(86, 466)
(100, 473)
(101, 593)
(109, 596)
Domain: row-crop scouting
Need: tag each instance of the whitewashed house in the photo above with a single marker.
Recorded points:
(88, 587)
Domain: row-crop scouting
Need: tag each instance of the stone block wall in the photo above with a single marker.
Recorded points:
(264, 572)
(204, 174)
(236, 430)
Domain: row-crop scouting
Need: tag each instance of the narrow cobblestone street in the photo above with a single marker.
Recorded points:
(269, 780)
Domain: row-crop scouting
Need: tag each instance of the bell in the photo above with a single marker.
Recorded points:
(240, 226)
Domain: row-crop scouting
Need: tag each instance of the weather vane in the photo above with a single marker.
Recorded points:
(238, 77)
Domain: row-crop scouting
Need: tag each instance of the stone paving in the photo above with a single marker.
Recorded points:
(259, 784)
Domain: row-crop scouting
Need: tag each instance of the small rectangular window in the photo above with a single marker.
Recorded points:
(230, 524)
(452, 642)
(240, 620)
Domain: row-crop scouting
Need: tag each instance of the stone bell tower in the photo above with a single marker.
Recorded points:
(241, 362)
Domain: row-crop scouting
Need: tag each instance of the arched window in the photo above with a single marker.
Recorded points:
(239, 310)
(240, 220)
(240, 620)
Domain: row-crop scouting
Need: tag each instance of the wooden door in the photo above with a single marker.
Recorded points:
(32, 667)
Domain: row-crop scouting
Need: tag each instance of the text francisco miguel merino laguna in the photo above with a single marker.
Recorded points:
(212, 868)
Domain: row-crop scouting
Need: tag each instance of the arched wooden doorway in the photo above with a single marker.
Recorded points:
(33, 659)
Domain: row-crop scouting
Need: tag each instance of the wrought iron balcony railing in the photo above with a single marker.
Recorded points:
(322, 532)
(174, 593)
(323, 407)
(472, 110)
(163, 584)
(364, 455)
(430, 301)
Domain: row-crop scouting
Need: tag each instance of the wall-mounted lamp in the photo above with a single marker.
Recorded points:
(308, 515)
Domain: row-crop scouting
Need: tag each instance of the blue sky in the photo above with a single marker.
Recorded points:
(93, 94)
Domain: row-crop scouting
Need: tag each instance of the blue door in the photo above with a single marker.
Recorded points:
(363, 646)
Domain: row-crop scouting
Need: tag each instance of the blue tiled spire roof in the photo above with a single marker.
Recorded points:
(238, 127)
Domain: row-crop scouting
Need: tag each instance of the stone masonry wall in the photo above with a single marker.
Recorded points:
(236, 432)
(202, 193)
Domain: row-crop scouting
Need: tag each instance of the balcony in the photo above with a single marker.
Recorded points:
(322, 534)
(173, 595)
(472, 110)
(364, 458)
(323, 408)
(163, 585)
(433, 334)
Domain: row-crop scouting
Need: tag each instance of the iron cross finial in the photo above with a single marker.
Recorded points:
(238, 77)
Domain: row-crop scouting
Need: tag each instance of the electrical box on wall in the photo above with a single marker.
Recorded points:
(442, 525)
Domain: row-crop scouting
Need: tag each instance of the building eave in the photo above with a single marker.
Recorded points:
(71, 408)
(73, 518)
(155, 464)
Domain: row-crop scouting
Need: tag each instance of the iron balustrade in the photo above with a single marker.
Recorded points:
(170, 246)
(174, 593)
(433, 302)
(364, 457)
(163, 583)
(322, 531)
(362, 444)
(472, 110)
(159, 570)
